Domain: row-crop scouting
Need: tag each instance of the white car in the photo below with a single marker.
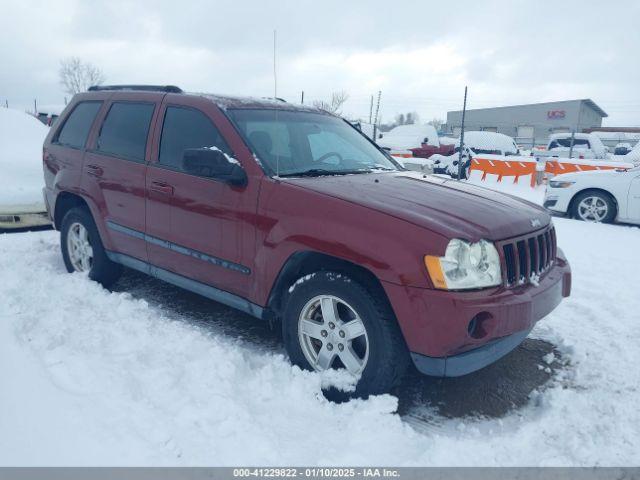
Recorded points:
(596, 196)
(21, 179)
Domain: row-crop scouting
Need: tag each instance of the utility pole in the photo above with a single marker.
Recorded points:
(573, 132)
(375, 122)
(302, 98)
(35, 107)
(371, 110)
(464, 111)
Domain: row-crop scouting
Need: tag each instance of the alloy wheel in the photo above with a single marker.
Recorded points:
(79, 248)
(332, 335)
(592, 209)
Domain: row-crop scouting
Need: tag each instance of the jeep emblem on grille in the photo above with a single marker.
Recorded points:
(535, 222)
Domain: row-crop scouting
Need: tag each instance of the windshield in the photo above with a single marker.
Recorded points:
(303, 143)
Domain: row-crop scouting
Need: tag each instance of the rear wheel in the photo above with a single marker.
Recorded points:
(594, 206)
(333, 322)
(82, 248)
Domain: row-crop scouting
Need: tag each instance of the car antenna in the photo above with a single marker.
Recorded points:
(464, 111)
(275, 93)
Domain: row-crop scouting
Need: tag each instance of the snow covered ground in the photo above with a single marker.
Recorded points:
(21, 138)
(91, 377)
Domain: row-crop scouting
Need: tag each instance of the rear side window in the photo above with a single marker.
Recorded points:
(125, 130)
(75, 130)
(185, 128)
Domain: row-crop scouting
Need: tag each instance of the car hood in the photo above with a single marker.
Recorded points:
(451, 208)
(590, 175)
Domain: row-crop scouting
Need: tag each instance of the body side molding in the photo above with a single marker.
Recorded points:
(203, 289)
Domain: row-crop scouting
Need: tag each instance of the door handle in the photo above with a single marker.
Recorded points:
(161, 187)
(94, 170)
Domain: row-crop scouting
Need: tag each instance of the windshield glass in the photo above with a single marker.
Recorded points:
(304, 143)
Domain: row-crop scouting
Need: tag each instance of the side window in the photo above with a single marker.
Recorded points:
(125, 130)
(76, 128)
(185, 128)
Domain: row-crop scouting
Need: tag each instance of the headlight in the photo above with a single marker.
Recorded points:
(465, 266)
(560, 184)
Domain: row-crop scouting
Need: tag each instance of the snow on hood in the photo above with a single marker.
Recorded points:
(21, 176)
(489, 141)
(405, 137)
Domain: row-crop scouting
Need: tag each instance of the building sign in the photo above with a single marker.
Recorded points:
(555, 114)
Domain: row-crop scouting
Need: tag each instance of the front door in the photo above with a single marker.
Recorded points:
(197, 227)
(634, 200)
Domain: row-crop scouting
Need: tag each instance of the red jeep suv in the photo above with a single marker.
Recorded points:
(289, 213)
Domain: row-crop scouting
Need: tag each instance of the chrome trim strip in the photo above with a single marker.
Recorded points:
(220, 262)
(203, 289)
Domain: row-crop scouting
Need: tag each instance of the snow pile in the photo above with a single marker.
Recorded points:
(448, 140)
(406, 137)
(489, 142)
(91, 377)
(21, 176)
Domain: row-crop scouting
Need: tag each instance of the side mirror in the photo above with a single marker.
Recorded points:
(426, 140)
(213, 163)
(379, 135)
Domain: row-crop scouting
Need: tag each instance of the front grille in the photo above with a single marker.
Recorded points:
(527, 258)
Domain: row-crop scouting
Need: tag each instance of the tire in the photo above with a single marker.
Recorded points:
(594, 206)
(89, 256)
(381, 348)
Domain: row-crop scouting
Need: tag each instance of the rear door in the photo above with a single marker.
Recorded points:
(63, 155)
(115, 168)
(198, 227)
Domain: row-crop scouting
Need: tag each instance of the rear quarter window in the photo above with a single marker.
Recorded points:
(125, 130)
(75, 130)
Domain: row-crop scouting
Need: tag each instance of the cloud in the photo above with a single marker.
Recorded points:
(420, 54)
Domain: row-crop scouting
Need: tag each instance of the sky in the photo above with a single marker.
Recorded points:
(419, 54)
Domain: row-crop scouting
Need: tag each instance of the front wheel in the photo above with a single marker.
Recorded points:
(594, 206)
(333, 322)
(82, 248)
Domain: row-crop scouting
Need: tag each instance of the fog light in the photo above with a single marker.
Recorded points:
(480, 325)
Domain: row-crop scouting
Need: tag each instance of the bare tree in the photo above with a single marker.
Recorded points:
(334, 105)
(436, 123)
(407, 119)
(77, 76)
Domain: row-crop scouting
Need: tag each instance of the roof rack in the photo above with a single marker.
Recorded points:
(144, 88)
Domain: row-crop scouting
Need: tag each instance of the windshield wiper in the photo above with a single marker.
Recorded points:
(318, 172)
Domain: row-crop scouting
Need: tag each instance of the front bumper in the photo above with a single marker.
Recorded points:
(557, 201)
(437, 325)
(467, 362)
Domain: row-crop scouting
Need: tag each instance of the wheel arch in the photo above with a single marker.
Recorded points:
(572, 202)
(65, 201)
(306, 262)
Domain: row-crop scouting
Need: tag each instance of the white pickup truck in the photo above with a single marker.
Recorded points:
(585, 146)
